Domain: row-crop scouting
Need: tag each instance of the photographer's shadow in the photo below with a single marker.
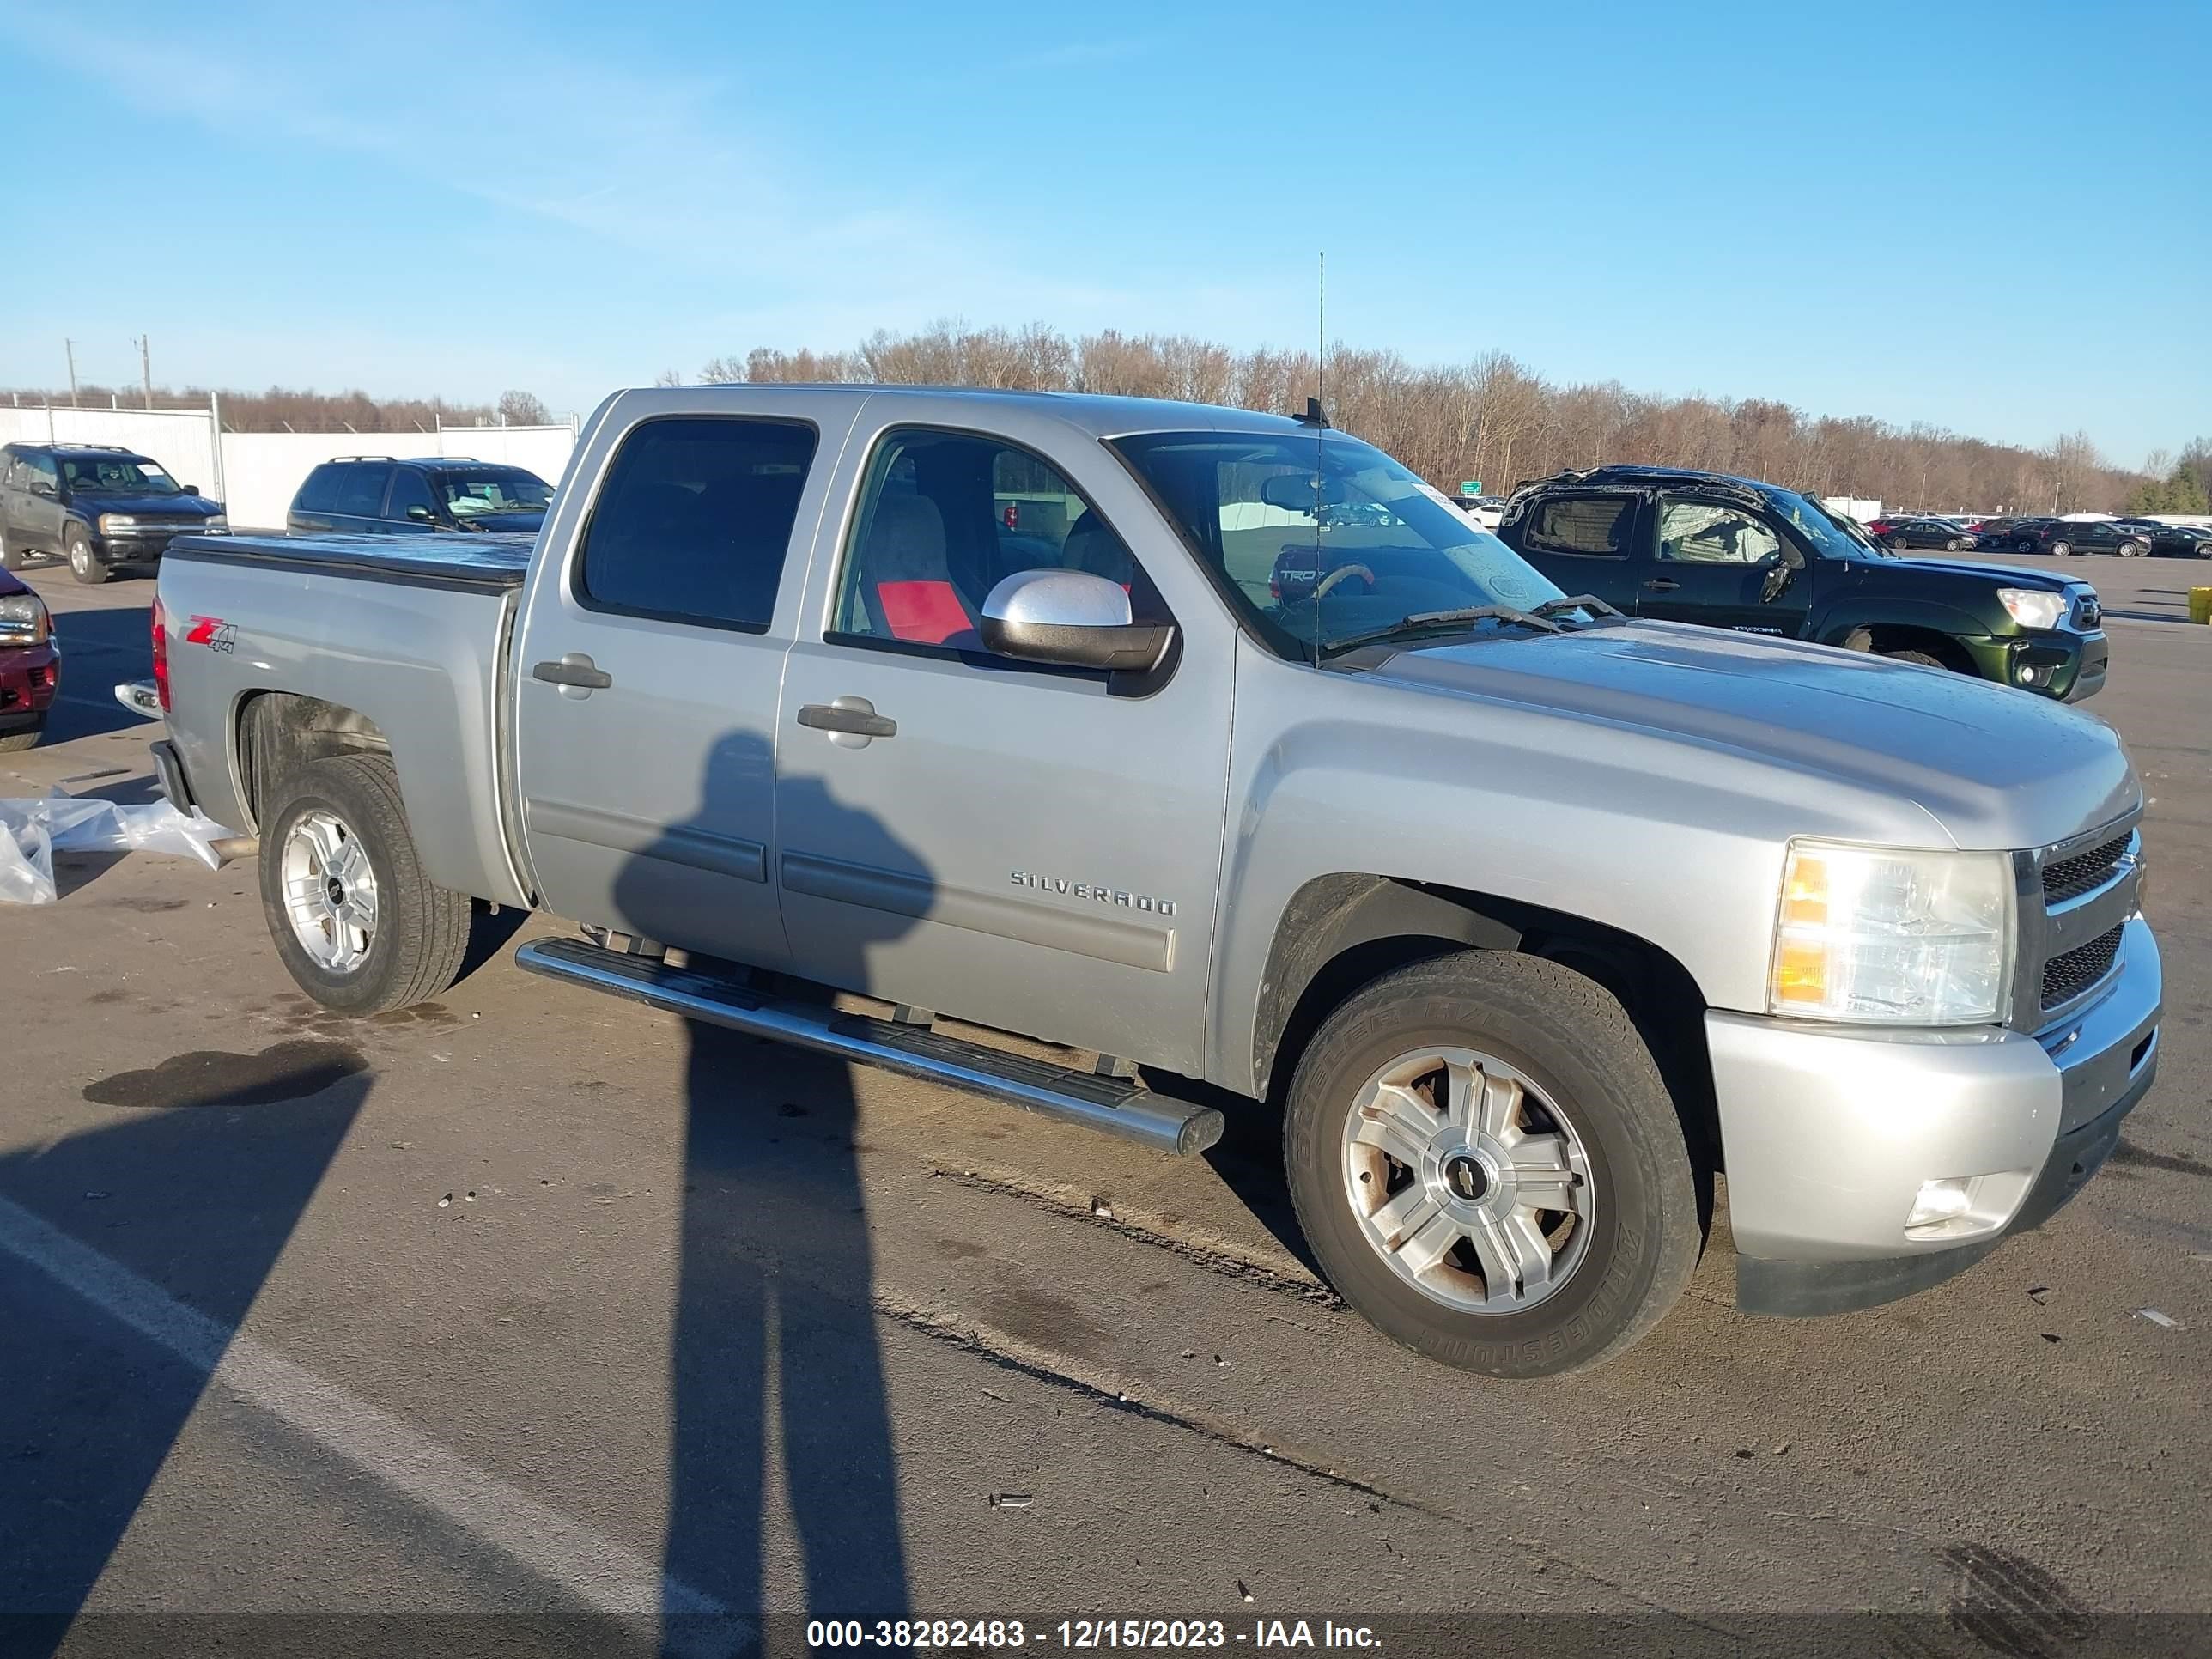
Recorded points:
(773, 1357)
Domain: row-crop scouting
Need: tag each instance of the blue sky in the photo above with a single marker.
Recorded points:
(1988, 217)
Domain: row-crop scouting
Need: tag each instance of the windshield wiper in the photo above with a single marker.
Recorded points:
(1421, 620)
(1578, 602)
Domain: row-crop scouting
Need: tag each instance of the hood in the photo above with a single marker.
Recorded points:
(1996, 768)
(523, 523)
(1999, 575)
(95, 502)
(8, 585)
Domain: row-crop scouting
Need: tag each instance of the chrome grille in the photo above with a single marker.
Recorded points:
(2075, 899)
(2070, 877)
(2070, 973)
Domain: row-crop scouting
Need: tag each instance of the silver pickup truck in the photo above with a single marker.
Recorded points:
(1206, 745)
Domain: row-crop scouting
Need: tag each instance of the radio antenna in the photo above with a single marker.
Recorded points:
(1320, 425)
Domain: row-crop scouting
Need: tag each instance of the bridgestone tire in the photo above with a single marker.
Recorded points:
(1920, 657)
(1575, 1042)
(422, 932)
(15, 741)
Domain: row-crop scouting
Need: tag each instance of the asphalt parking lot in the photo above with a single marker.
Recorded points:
(535, 1303)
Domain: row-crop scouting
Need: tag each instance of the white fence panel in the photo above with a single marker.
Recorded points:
(183, 441)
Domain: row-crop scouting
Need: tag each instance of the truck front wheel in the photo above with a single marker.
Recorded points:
(1488, 1166)
(360, 927)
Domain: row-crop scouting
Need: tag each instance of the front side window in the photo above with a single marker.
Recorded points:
(471, 495)
(1705, 532)
(408, 488)
(118, 475)
(1322, 540)
(694, 520)
(946, 516)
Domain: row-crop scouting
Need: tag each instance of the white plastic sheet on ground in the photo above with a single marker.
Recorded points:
(32, 831)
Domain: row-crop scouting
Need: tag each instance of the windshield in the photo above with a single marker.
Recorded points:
(116, 475)
(1322, 539)
(471, 494)
(1827, 532)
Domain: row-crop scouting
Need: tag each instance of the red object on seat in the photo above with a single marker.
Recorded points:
(926, 613)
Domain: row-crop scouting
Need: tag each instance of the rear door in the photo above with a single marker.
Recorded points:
(1585, 541)
(646, 677)
(359, 502)
(1713, 561)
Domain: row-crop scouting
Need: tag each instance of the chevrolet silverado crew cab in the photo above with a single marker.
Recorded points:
(96, 505)
(1701, 547)
(1211, 745)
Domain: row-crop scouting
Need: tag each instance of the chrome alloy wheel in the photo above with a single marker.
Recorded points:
(330, 892)
(1471, 1185)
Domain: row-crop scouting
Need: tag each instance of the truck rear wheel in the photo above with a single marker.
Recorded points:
(361, 929)
(1488, 1166)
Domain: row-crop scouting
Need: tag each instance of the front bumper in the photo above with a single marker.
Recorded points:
(28, 676)
(2053, 662)
(1829, 1134)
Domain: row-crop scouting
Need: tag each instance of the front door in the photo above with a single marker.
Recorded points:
(1725, 565)
(647, 684)
(37, 504)
(1029, 848)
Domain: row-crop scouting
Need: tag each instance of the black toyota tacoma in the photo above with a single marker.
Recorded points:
(1703, 547)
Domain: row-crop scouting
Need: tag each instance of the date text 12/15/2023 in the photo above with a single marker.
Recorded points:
(1148, 1635)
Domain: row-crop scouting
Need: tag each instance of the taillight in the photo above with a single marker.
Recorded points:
(161, 653)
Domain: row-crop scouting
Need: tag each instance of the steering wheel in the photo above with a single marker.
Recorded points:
(1323, 587)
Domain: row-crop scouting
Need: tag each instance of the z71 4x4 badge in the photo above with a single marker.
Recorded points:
(214, 633)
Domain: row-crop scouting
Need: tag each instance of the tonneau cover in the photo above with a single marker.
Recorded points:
(451, 558)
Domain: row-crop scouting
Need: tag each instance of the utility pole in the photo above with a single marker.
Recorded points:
(146, 369)
(69, 349)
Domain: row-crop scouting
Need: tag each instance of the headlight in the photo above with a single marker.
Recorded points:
(24, 621)
(216, 525)
(2033, 607)
(1898, 938)
(113, 523)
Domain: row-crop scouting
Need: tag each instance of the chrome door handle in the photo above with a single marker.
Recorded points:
(849, 718)
(575, 674)
(1661, 585)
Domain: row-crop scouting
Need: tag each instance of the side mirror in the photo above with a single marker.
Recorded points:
(421, 514)
(189, 489)
(1071, 618)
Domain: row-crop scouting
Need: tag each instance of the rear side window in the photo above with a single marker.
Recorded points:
(1592, 525)
(695, 518)
(320, 493)
(361, 490)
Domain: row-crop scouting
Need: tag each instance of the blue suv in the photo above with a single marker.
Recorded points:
(380, 496)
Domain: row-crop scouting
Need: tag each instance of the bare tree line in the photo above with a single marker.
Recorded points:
(281, 409)
(1492, 419)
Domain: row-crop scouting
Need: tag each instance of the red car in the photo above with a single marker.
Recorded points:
(30, 664)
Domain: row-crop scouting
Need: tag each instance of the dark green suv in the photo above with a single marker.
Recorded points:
(1703, 547)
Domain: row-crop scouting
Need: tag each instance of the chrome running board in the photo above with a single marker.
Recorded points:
(1119, 1106)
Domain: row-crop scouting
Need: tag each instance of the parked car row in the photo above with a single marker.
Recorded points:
(2130, 539)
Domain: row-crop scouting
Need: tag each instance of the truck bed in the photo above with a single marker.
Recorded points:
(487, 562)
